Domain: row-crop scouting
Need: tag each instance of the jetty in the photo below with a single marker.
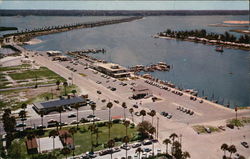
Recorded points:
(86, 51)
(160, 66)
(23, 36)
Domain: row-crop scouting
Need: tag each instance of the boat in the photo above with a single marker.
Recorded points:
(219, 49)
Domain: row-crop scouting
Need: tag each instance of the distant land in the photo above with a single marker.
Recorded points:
(119, 12)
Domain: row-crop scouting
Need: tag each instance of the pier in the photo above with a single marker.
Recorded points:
(86, 51)
(160, 66)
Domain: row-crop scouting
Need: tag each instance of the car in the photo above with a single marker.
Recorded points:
(178, 108)
(147, 150)
(164, 114)
(137, 114)
(99, 92)
(103, 100)
(169, 116)
(116, 149)
(135, 145)
(91, 102)
(23, 119)
(94, 119)
(72, 115)
(135, 106)
(83, 120)
(52, 121)
(147, 142)
(231, 126)
(21, 125)
(68, 107)
(125, 147)
(90, 116)
(191, 113)
(222, 128)
(41, 127)
(91, 154)
(116, 101)
(245, 144)
(113, 89)
(63, 124)
(207, 130)
(74, 122)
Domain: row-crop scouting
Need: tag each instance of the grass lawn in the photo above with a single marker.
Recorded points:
(14, 67)
(38, 73)
(201, 129)
(240, 121)
(83, 138)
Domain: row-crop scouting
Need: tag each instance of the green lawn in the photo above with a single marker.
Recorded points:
(14, 67)
(83, 138)
(39, 73)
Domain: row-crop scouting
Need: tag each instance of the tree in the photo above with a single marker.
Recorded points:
(139, 151)
(58, 84)
(22, 115)
(72, 131)
(74, 92)
(65, 84)
(60, 109)
(111, 144)
(77, 106)
(151, 131)
(131, 110)
(186, 155)
(124, 107)
(93, 107)
(96, 131)
(65, 151)
(126, 123)
(143, 113)
(143, 128)
(24, 106)
(152, 114)
(173, 136)
(14, 151)
(166, 142)
(126, 141)
(224, 147)
(53, 134)
(109, 106)
(91, 128)
(232, 149)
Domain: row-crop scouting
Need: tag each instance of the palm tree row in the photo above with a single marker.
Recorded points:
(231, 149)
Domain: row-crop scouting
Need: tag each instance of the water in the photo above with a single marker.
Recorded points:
(196, 65)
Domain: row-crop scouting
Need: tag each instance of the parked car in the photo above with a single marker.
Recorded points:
(245, 144)
(72, 115)
(231, 126)
(20, 125)
(90, 116)
(137, 113)
(74, 122)
(116, 101)
(147, 142)
(207, 130)
(147, 150)
(99, 92)
(135, 106)
(113, 89)
(169, 116)
(135, 145)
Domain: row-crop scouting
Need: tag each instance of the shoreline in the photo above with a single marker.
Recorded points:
(230, 45)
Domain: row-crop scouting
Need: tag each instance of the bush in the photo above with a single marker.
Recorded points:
(116, 121)
(100, 124)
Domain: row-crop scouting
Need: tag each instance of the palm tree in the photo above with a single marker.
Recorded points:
(126, 141)
(126, 124)
(224, 147)
(65, 151)
(74, 92)
(166, 142)
(93, 107)
(65, 84)
(151, 131)
(131, 110)
(60, 109)
(53, 133)
(143, 113)
(152, 114)
(111, 144)
(176, 149)
(109, 124)
(139, 150)
(77, 106)
(58, 83)
(41, 115)
(173, 136)
(124, 107)
(92, 129)
(72, 131)
(22, 114)
(232, 149)
(109, 106)
(96, 131)
(24, 106)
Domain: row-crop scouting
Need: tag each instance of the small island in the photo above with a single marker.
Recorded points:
(7, 28)
(202, 36)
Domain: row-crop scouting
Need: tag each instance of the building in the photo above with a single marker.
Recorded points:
(113, 70)
(140, 91)
(54, 105)
(54, 53)
(31, 145)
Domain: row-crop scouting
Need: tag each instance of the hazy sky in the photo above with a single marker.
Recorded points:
(127, 5)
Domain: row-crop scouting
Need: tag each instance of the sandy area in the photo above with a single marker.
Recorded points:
(236, 22)
(11, 61)
(34, 41)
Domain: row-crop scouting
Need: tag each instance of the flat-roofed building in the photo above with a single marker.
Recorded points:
(140, 91)
(54, 105)
(31, 145)
(113, 70)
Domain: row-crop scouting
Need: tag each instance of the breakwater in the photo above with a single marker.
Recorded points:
(24, 36)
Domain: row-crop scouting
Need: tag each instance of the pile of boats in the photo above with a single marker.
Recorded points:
(160, 66)
(86, 51)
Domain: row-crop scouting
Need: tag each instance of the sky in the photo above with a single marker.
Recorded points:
(126, 5)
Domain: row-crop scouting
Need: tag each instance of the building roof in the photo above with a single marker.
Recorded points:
(59, 102)
(140, 89)
(46, 144)
(31, 144)
(68, 140)
(111, 66)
